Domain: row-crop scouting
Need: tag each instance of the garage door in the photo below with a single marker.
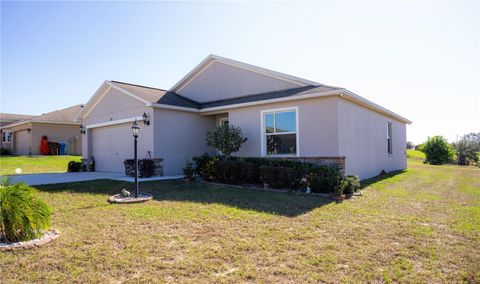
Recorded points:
(111, 145)
(22, 142)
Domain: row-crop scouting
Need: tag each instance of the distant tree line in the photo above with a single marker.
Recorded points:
(465, 151)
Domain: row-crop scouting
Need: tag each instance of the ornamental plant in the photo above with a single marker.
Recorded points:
(22, 215)
(226, 138)
(437, 150)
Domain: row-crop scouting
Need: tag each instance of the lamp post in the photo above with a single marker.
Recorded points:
(135, 129)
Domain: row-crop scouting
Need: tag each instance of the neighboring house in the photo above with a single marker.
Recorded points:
(23, 137)
(281, 115)
(7, 118)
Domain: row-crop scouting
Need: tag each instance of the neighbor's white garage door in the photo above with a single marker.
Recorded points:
(23, 142)
(111, 145)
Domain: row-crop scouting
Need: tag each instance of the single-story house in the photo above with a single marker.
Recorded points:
(7, 118)
(281, 115)
(23, 137)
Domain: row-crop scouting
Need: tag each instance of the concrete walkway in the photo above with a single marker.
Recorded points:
(52, 178)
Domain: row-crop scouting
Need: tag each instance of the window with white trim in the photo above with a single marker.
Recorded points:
(280, 132)
(7, 136)
(389, 138)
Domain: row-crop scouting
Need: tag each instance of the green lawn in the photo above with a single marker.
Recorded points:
(35, 164)
(415, 154)
(417, 226)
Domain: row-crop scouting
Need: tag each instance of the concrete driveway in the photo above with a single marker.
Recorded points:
(52, 178)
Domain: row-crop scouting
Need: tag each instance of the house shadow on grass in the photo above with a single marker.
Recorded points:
(271, 202)
(371, 181)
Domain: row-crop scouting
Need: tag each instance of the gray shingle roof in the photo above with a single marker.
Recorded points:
(67, 115)
(14, 117)
(161, 96)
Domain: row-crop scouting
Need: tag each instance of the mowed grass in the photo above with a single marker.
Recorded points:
(420, 225)
(35, 164)
(415, 154)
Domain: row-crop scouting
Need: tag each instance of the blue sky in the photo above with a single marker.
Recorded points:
(421, 60)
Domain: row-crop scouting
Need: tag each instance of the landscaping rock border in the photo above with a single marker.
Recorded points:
(119, 199)
(47, 237)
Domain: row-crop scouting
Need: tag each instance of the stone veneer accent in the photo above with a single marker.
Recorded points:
(158, 171)
(320, 161)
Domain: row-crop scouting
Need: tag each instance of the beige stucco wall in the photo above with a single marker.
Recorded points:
(222, 81)
(363, 140)
(317, 120)
(115, 106)
(179, 136)
(57, 132)
(26, 144)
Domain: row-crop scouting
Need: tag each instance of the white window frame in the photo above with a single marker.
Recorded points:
(390, 138)
(8, 136)
(263, 135)
(222, 120)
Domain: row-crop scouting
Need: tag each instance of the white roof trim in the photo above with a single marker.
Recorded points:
(100, 93)
(200, 68)
(33, 121)
(345, 94)
(164, 106)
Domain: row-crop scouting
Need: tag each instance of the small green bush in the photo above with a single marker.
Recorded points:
(204, 166)
(188, 170)
(22, 215)
(234, 172)
(438, 151)
(226, 138)
(278, 177)
(324, 179)
(74, 166)
(351, 184)
(5, 152)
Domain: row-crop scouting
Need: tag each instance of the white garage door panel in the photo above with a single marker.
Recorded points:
(111, 145)
(22, 143)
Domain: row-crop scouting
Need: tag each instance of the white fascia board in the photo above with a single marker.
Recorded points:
(114, 122)
(164, 106)
(33, 121)
(285, 99)
(127, 93)
(100, 93)
(341, 92)
(373, 106)
(94, 100)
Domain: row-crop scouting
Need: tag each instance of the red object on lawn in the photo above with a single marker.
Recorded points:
(44, 150)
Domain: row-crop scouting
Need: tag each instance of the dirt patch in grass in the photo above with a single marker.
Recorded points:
(420, 225)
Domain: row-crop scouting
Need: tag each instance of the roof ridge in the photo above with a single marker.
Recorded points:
(136, 85)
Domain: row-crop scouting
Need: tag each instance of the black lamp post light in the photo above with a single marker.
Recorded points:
(125, 196)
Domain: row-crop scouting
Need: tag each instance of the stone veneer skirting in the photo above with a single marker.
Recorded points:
(158, 171)
(319, 161)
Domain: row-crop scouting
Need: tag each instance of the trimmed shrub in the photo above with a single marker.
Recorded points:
(437, 151)
(226, 138)
(22, 215)
(234, 172)
(74, 166)
(204, 166)
(324, 179)
(5, 152)
(188, 170)
(351, 184)
(278, 177)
